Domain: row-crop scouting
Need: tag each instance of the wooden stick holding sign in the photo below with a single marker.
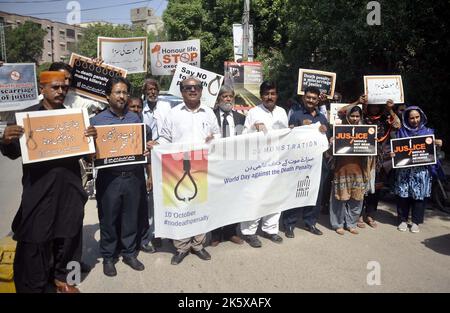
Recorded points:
(325, 81)
(413, 151)
(121, 144)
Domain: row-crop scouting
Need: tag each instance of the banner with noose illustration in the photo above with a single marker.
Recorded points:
(200, 187)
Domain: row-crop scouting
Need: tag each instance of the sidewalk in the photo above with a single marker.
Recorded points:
(307, 263)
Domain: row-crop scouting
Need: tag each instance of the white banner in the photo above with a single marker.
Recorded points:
(164, 56)
(126, 53)
(211, 82)
(238, 33)
(200, 187)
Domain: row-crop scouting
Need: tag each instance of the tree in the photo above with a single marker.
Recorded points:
(25, 43)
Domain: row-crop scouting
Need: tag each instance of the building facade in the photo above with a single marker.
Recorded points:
(145, 18)
(61, 39)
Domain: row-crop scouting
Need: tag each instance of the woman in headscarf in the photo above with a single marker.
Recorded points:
(413, 184)
(350, 182)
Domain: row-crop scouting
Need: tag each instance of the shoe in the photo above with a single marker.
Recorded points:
(289, 232)
(215, 243)
(62, 287)
(85, 268)
(340, 231)
(147, 248)
(202, 254)
(403, 226)
(178, 258)
(236, 239)
(353, 231)
(133, 262)
(414, 228)
(313, 230)
(109, 269)
(273, 237)
(157, 242)
(253, 241)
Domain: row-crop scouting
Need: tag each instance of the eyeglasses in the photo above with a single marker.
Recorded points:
(190, 87)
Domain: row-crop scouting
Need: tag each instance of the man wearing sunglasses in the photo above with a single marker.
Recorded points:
(190, 122)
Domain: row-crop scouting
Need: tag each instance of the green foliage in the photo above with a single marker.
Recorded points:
(25, 43)
(412, 41)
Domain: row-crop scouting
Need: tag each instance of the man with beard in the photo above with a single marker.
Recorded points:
(48, 224)
(231, 123)
(118, 188)
(264, 117)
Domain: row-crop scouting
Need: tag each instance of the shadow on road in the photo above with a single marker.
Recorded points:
(91, 253)
(440, 244)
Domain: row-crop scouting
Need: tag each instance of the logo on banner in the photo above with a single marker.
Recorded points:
(185, 177)
(303, 187)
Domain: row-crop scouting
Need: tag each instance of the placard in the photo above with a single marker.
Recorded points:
(90, 79)
(18, 87)
(211, 82)
(325, 81)
(355, 140)
(127, 53)
(54, 134)
(164, 56)
(120, 144)
(380, 89)
(413, 151)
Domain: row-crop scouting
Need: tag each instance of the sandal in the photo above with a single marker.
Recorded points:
(371, 222)
(353, 231)
(340, 231)
(361, 223)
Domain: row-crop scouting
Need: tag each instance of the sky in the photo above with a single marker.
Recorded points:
(113, 11)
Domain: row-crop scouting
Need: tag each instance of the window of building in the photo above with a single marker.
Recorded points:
(70, 33)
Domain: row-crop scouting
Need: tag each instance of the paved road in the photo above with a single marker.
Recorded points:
(330, 263)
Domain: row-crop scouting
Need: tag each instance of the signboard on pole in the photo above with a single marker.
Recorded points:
(237, 42)
(245, 78)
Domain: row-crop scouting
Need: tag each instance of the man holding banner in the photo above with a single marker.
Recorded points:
(190, 122)
(48, 224)
(264, 117)
(306, 114)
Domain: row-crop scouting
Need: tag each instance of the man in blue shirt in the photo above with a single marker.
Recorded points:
(305, 114)
(119, 188)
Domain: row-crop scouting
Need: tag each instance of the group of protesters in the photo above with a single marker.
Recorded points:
(48, 225)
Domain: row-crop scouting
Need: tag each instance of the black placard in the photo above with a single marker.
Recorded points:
(413, 151)
(354, 140)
